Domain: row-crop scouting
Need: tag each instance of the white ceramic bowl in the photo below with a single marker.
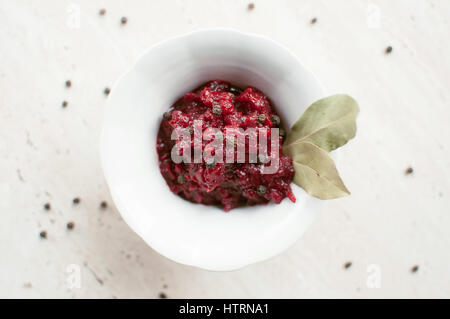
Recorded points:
(194, 234)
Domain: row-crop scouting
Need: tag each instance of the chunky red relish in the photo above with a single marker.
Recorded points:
(220, 105)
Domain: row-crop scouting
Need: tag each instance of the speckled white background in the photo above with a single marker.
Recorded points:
(50, 154)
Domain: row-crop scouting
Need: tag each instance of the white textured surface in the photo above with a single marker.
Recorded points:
(50, 154)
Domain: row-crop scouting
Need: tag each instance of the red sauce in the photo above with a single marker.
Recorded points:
(226, 185)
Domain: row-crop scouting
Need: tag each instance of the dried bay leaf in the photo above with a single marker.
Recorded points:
(315, 171)
(328, 123)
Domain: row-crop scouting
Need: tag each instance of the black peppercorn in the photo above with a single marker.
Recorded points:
(162, 295)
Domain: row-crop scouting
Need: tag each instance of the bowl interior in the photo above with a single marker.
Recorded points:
(189, 233)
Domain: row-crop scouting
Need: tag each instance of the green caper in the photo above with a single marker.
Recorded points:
(167, 116)
(210, 164)
(275, 119)
(217, 109)
(261, 118)
(181, 179)
(261, 190)
(235, 90)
